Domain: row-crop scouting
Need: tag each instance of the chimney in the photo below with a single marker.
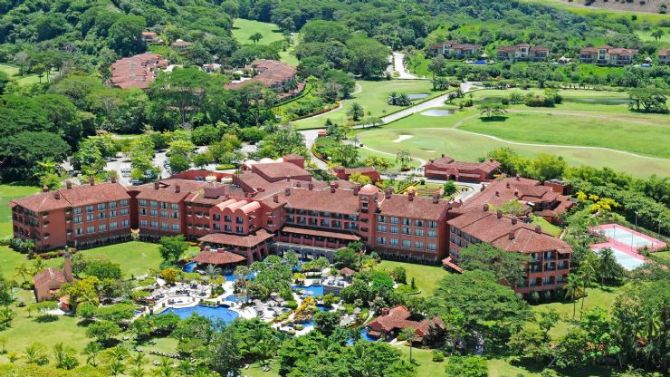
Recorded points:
(499, 214)
(57, 195)
(357, 188)
(410, 195)
(156, 185)
(45, 188)
(113, 179)
(310, 186)
(538, 229)
(68, 184)
(514, 220)
(497, 193)
(177, 188)
(275, 198)
(436, 198)
(91, 181)
(298, 184)
(288, 179)
(287, 191)
(507, 185)
(482, 188)
(486, 207)
(516, 193)
(333, 187)
(442, 155)
(511, 235)
(518, 177)
(67, 267)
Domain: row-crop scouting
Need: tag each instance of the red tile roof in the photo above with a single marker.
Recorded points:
(274, 171)
(137, 71)
(418, 208)
(218, 257)
(270, 73)
(321, 233)
(398, 318)
(167, 189)
(237, 240)
(74, 197)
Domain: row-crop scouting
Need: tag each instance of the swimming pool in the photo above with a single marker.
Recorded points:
(213, 314)
(190, 267)
(234, 298)
(312, 290)
(626, 260)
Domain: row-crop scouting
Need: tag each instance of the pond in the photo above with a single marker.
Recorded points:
(438, 112)
(415, 96)
(600, 100)
(213, 314)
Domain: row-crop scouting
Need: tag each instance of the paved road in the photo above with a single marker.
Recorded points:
(398, 65)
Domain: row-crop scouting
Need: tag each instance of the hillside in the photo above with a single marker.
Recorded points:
(650, 6)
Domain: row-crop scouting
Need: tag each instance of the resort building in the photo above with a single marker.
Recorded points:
(80, 217)
(548, 257)
(137, 71)
(151, 37)
(664, 56)
(446, 168)
(607, 55)
(546, 200)
(272, 74)
(50, 280)
(455, 49)
(523, 52)
(181, 44)
(392, 321)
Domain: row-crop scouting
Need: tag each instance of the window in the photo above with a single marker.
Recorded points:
(394, 229)
(89, 209)
(90, 229)
(175, 227)
(381, 240)
(432, 224)
(406, 243)
(406, 230)
(101, 206)
(175, 215)
(432, 233)
(418, 232)
(394, 220)
(164, 205)
(175, 206)
(101, 215)
(227, 218)
(406, 221)
(112, 213)
(432, 247)
(381, 227)
(112, 205)
(153, 204)
(78, 231)
(154, 212)
(142, 202)
(164, 213)
(239, 220)
(77, 211)
(154, 224)
(89, 217)
(124, 211)
(144, 223)
(394, 242)
(124, 203)
(381, 219)
(143, 211)
(418, 245)
(102, 227)
(165, 226)
(227, 228)
(124, 223)
(113, 225)
(419, 222)
(238, 229)
(77, 219)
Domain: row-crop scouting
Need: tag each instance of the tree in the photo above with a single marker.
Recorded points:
(409, 335)
(125, 34)
(467, 366)
(225, 353)
(65, 357)
(170, 275)
(657, 34)
(608, 269)
(545, 167)
(403, 158)
(103, 331)
(449, 188)
(36, 354)
(368, 57)
(255, 37)
(172, 248)
(572, 290)
(20, 153)
(356, 111)
(490, 110)
(508, 268)
(436, 67)
(326, 322)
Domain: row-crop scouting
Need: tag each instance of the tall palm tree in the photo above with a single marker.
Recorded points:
(572, 290)
(607, 265)
(587, 271)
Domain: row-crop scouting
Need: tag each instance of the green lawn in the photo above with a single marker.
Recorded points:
(425, 277)
(547, 227)
(243, 29)
(13, 72)
(372, 95)
(645, 35)
(135, 258)
(584, 123)
(578, 7)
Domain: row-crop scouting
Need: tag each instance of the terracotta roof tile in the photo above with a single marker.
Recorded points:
(218, 257)
(250, 240)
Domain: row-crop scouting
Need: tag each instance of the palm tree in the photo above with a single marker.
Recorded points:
(572, 290)
(403, 158)
(91, 352)
(165, 369)
(212, 270)
(409, 334)
(587, 270)
(23, 271)
(255, 37)
(607, 265)
(657, 34)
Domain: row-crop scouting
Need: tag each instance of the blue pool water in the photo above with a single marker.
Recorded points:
(214, 314)
(233, 298)
(190, 267)
(366, 336)
(232, 277)
(322, 308)
(312, 290)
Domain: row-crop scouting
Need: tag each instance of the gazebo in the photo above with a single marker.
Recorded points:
(219, 258)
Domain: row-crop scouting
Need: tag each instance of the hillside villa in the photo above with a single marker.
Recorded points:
(664, 56)
(607, 55)
(272, 74)
(137, 71)
(446, 168)
(523, 52)
(455, 49)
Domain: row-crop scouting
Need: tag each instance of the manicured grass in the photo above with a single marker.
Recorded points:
(25, 330)
(578, 7)
(645, 35)
(13, 72)
(8, 193)
(372, 97)
(135, 258)
(586, 121)
(425, 277)
(243, 29)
